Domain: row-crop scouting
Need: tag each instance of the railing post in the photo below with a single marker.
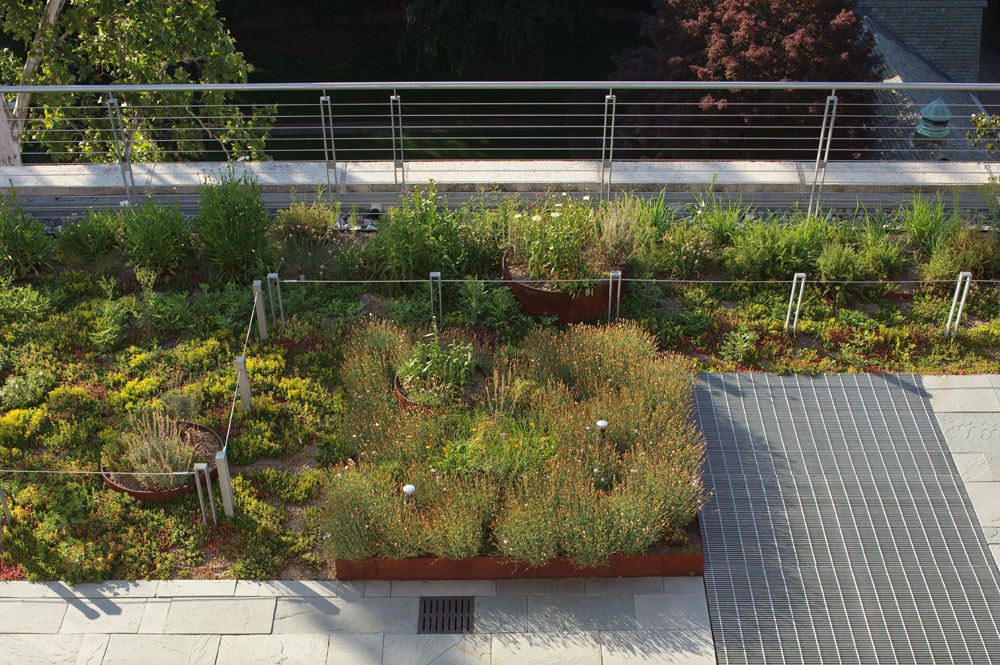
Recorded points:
(7, 519)
(440, 306)
(258, 300)
(120, 143)
(199, 469)
(329, 148)
(273, 277)
(225, 482)
(608, 143)
(964, 278)
(243, 383)
(615, 277)
(823, 152)
(398, 160)
(798, 282)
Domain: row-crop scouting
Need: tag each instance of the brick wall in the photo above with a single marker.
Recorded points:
(944, 32)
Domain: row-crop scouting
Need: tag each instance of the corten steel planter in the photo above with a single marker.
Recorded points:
(164, 495)
(502, 568)
(567, 308)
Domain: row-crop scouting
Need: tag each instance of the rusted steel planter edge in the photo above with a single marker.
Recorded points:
(501, 568)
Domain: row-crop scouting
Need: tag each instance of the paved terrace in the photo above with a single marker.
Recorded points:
(631, 621)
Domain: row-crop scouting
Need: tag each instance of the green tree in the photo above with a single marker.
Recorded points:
(986, 131)
(465, 32)
(55, 42)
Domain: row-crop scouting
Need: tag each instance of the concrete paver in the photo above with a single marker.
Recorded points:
(162, 649)
(22, 589)
(195, 588)
(272, 649)
(92, 615)
(502, 614)
(222, 616)
(973, 467)
(300, 588)
(436, 650)
(970, 432)
(541, 587)
(111, 589)
(154, 616)
(577, 614)
(377, 588)
(92, 649)
(443, 588)
(624, 585)
(572, 586)
(354, 649)
(546, 649)
(658, 647)
(41, 615)
(985, 499)
(681, 611)
(38, 650)
(352, 615)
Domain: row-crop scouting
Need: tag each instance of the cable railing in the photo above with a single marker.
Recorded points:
(397, 124)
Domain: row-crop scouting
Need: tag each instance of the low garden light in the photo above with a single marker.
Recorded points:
(602, 425)
(408, 492)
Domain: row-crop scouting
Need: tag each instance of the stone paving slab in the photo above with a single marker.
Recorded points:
(436, 650)
(37, 650)
(572, 586)
(658, 647)
(300, 588)
(681, 611)
(973, 467)
(91, 615)
(195, 588)
(405, 588)
(377, 588)
(501, 614)
(162, 650)
(276, 649)
(985, 499)
(542, 587)
(352, 615)
(354, 649)
(577, 614)
(92, 649)
(546, 649)
(222, 616)
(21, 589)
(964, 400)
(971, 432)
(623, 585)
(41, 615)
(111, 589)
(154, 616)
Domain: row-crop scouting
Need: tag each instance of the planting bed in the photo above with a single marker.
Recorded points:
(140, 311)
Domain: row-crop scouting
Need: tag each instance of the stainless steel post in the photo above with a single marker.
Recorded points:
(329, 148)
(823, 153)
(964, 279)
(258, 300)
(272, 277)
(6, 510)
(608, 143)
(615, 278)
(396, 120)
(798, 283)
(202, 468)
(439, 312)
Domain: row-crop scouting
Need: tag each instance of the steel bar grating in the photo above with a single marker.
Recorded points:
(839, 530)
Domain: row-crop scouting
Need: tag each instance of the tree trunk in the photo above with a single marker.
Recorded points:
(10, 150)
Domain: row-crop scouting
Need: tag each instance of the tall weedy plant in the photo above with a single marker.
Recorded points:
(233, 226)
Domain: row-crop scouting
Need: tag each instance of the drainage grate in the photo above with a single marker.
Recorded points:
(446, 614)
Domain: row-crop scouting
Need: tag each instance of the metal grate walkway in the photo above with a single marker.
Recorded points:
(839, 530)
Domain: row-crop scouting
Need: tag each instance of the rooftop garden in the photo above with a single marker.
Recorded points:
(117, 341)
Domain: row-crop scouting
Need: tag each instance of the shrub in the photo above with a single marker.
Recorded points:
(233, 227)
(771, 250)
(306, 222)
(740, 347)
(926, 223)
(85, 240)
(967, 249)
(23, 390)
(684, 251)
(156, 444)
(156, 238)
(840, 263)
(421, 235)
(434, 373)
(25, 247)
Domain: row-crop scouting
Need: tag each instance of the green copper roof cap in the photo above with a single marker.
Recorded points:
(934, 120)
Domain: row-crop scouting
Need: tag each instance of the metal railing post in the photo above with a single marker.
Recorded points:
(7, 519)
(243, 383)
(258, 300)
(120, 143)
(615, 277)
(199, 469)
(273, 277)
(329, 148)
(608, 143)
(398, 160)
(798, 282)
(225, 482)
(964, 278)
(823, 152)
(440, 302)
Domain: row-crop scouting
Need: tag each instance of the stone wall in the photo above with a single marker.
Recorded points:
(944, 32)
